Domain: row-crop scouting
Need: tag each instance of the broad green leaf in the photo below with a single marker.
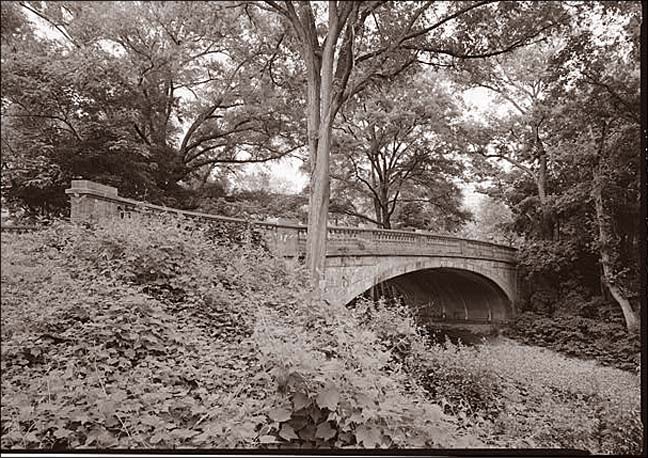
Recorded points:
(324, 431)
(328, 398)
(300, 400)
(183, 433)
(368, 436)
(247, 430)
(267, 439)
(280, 414)
(287, 432)
(436, 412)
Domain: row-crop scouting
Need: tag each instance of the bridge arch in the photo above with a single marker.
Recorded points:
(485, 287)
(356, 258)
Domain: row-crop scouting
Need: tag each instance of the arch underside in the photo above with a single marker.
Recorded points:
(440, 285)
(448, 294)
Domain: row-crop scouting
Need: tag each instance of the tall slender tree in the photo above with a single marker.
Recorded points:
(394, 148)
(347, 45)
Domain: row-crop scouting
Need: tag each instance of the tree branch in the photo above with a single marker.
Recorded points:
(512, 161)
(52, 23)
(196, 124)
(631, 111)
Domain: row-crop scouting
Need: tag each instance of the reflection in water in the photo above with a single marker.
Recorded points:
(439, 328)
(438, 333)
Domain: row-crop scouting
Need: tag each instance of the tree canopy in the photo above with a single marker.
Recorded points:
(144, 96)
(165, 100)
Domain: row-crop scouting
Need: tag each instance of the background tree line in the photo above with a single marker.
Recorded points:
(165, 100)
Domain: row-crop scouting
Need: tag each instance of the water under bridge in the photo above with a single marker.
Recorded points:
(446, 279)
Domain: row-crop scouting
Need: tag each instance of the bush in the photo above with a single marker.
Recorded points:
(606, 341)
(156, 333)
(136, 334)
(344, 382)
(512, 395)
(555, 401)
(453, 375)
(466, 392)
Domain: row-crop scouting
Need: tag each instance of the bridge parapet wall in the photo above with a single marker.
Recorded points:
(359, 242)
(94, 201)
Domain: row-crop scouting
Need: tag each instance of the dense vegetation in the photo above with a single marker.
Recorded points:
(160, 333)
(168, 101)
(170, 115)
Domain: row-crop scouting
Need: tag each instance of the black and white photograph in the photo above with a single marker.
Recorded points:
(323, 227)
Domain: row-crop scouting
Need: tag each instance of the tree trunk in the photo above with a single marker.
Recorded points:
(386, 220)
(605, 239)
(384, 206)
(320, 65)
(320, 120)
(318, 214)
(631, 319)
(378, 210)
(542, 177)
(546, 218)
(313, 118)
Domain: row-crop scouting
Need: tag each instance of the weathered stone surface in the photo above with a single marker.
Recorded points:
(357, 258)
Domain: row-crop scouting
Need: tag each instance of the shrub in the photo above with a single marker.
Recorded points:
(555, 401)
(344, 382)
(468, 393)
(454, 375)
(157, 333)
(606, 341)
(129, 335)
(512, 395)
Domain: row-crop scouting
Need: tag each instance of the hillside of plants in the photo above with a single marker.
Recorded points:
(513, 122)
(164, 334)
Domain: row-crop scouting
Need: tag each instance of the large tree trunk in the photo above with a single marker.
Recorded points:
(605, 238)
(377, 210)
(383, 192)
(320, 64)
(605, 241)
(320, 107)
(319, 205)
(313, 124)
(385, 221)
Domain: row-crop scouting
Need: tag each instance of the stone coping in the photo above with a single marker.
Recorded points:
(106, 193)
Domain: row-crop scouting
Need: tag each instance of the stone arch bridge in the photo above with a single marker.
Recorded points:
(444, 278)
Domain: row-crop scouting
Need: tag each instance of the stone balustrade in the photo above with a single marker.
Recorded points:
(91, 200)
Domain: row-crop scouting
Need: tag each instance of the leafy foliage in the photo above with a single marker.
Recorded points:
(257, 205)
(571, 179)
(579, 336)
(394, 157)
(343, 385)
(160, 333)
(554, 401)
(512, 395)
(149, 333)
(131, 335)
(153, 114)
